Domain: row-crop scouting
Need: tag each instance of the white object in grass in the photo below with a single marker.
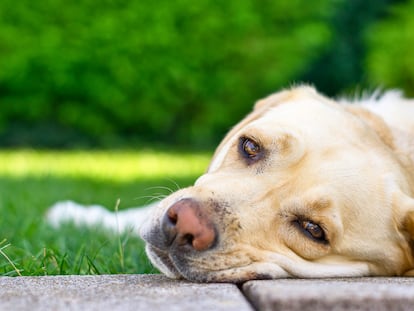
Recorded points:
(97, 215)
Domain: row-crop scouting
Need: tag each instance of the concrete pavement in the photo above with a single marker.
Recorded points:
(332, 294)
(156, 292)
(116, 292)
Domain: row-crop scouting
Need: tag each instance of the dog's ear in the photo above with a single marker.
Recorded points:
(404, 207)
(405, 211)
(409, 228)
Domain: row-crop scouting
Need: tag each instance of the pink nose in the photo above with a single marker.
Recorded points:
(185, 224)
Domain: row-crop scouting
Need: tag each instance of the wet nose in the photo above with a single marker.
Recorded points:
(185, 224)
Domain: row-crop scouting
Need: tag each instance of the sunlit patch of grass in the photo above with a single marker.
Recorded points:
(121, 166)
(31, 181)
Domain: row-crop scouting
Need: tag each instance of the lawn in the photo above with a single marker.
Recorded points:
(31, 181)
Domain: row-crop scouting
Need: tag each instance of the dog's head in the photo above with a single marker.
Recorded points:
(302, 187)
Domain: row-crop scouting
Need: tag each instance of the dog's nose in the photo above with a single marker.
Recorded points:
(186, 224)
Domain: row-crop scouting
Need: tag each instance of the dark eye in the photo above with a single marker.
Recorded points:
(312, 230)
(250, 148)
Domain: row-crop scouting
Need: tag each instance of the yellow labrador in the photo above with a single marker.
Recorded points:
(302, 187)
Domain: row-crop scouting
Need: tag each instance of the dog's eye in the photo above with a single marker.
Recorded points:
(250, 148)
(312, 230)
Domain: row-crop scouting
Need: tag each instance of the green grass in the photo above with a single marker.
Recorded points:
(31, 181)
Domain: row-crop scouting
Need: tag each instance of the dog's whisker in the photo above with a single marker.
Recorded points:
(151, 198)
(177, 186)
(168, 189)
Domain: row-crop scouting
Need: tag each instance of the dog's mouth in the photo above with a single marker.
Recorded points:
(177, 266)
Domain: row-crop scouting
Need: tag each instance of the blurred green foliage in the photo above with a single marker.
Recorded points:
(172, 72)
(390, 61)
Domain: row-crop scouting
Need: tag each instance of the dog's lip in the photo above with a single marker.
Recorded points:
(206, 276)
(164, 257)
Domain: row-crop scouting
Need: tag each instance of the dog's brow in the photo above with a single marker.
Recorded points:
(219, 158)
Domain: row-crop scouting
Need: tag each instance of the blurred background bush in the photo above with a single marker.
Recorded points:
(119, 73)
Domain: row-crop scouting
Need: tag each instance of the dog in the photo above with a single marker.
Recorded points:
(304, 186)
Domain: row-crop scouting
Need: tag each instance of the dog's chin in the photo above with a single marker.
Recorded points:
(180, 270)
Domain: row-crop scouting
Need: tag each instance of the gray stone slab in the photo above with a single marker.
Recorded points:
(116, 292)
(332, 294)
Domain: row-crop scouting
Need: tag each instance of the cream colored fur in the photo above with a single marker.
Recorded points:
(346, 167)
